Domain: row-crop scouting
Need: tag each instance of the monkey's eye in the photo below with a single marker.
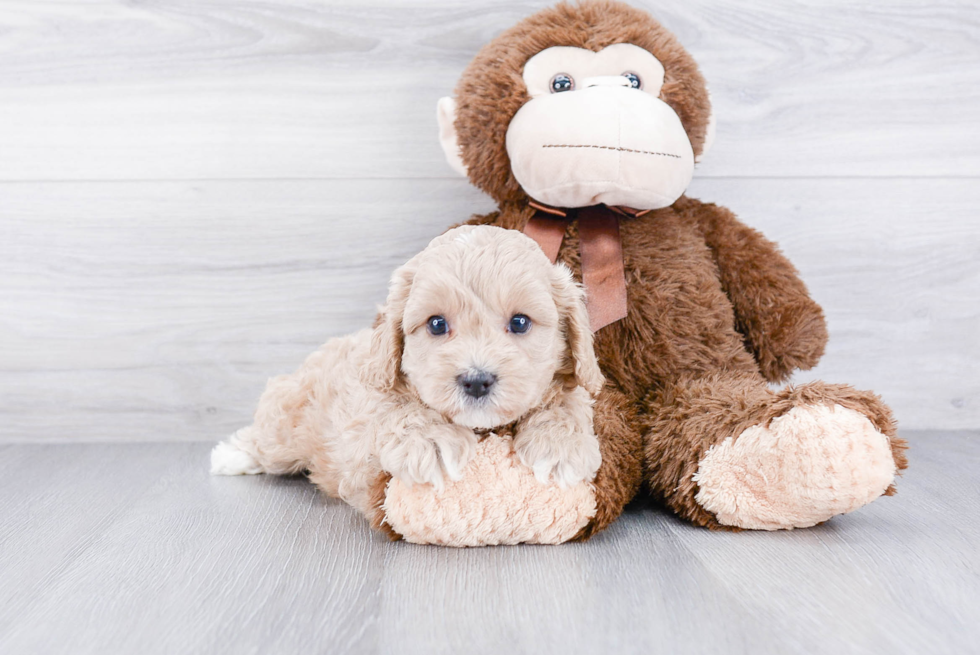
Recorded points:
(562, 82)
(436, 325)
(519, 324)
(634, 79)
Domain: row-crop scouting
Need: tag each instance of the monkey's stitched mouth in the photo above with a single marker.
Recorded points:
(638, 152)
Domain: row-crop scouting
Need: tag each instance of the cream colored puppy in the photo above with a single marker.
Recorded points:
(479, 331)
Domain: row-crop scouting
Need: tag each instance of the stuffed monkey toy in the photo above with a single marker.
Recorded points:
(584, 123)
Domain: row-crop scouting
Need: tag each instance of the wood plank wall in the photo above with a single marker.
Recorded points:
(194, 195)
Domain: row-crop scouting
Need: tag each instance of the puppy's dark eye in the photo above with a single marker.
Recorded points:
(519, 324)
(436, 325)
(562, 82)
(634, 79)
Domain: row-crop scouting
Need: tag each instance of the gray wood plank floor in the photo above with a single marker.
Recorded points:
(135, 549)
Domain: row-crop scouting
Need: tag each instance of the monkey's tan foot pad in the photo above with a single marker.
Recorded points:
(808, 465)
(498, 501)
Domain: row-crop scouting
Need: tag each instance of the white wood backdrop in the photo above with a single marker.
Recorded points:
(194, 195)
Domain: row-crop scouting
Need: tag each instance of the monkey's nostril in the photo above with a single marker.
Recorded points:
(477, 383)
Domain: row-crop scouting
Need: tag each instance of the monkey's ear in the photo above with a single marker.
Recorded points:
(709, 132)
(446, 115)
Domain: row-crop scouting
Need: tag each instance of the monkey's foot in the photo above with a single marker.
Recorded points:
(812, 463)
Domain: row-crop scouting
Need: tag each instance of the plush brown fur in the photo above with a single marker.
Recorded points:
(377, 514)
(715, 310)
(621, 471)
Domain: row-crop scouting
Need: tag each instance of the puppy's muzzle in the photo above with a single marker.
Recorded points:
(476, 384)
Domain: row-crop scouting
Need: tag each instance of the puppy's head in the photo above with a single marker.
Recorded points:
(482, 325)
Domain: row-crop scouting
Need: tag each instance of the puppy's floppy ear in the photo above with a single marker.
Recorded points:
(384, 363)
(570, 299)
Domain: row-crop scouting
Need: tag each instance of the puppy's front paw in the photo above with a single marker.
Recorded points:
(457, 445)
(568, 458)
(422, 454)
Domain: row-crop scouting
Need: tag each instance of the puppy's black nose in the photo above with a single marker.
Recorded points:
(477, 383)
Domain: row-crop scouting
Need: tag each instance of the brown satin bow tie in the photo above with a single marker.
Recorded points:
(601, 249)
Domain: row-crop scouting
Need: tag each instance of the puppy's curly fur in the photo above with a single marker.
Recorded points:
(391, 399)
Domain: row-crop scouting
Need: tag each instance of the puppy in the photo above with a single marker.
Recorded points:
(479, 331)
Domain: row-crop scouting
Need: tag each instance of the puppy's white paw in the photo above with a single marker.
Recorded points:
(229, 459)
(457, 445)
(421, 455)
(567, 458)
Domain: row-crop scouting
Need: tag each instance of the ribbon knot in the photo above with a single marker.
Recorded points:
(601, 249)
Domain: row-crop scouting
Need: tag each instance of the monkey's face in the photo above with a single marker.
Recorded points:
(595, 131)
(577, 105)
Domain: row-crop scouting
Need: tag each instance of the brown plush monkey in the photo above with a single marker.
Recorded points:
(584, 123)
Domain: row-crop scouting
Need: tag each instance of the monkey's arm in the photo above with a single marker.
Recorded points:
(783, 327)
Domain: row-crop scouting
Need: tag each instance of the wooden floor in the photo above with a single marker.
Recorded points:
(111, 548)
